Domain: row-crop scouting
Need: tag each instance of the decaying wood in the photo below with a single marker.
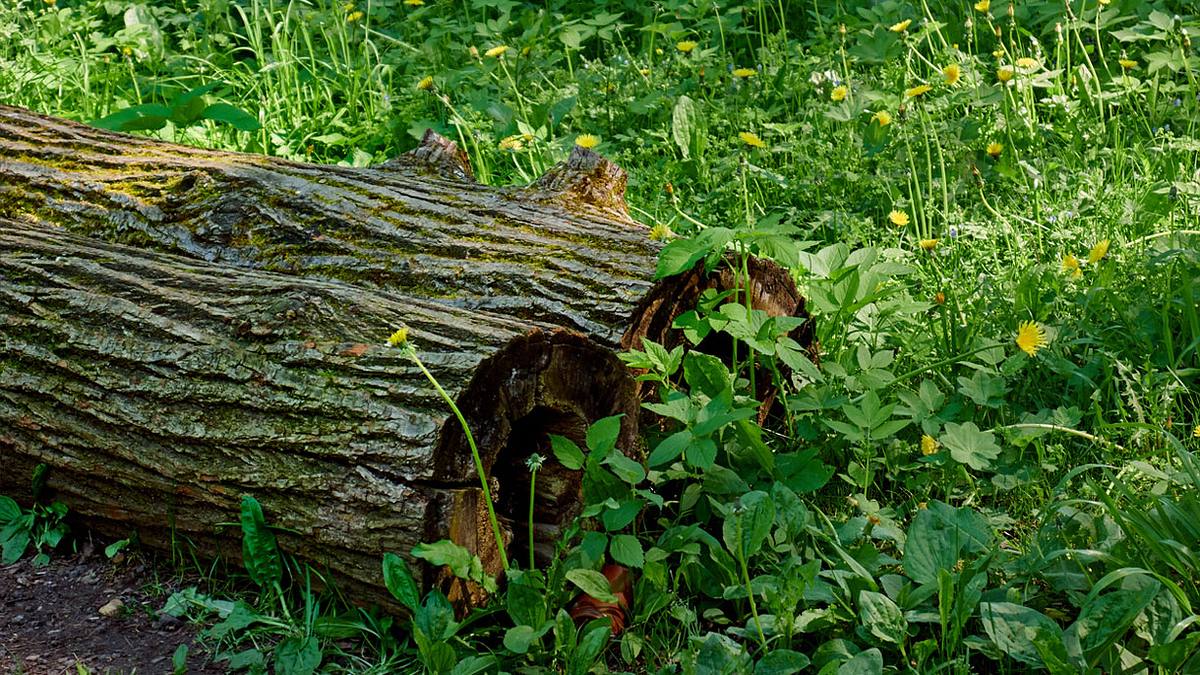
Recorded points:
(182, 326)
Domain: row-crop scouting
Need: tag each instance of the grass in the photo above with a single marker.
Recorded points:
(1043, 162)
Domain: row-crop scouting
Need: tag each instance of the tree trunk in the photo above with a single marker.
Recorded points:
(562, 251)
(180, 327)
(160, 389)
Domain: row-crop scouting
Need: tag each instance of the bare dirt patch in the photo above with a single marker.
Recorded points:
(50, 619)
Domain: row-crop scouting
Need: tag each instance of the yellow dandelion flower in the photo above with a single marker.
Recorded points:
(1027, 63)
(983, 5)
(1098, 251)
(686, 46)
(1031, 337)
(126, 52)
(928, 244)
(883, 117)
(916, 91)
(744, 72)
(994, 149)
(1196, 431)
(426, 83)
(661, 232)
(751, 139)
(353, 16)
(513, 143)
(496, 52)
(1004, 74)
(952, 72)
(1070, 265)
(1127, 64)
(839, 93)
(588, 141)
(929, 445)
(898, 218)
(399, 338)
(414, 3)
(901, 27)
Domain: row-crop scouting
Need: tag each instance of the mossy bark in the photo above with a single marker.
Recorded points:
(181, 326)
(159, 390)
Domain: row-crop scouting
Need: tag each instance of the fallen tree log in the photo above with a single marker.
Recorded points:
(562, 251)
(158, 390)
(169, 308)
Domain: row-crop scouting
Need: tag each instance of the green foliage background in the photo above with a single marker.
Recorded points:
(932, 498)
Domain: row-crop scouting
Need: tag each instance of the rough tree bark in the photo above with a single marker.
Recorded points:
(160, 389)
(181, 326)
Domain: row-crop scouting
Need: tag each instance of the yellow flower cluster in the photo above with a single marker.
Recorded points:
(588, 141)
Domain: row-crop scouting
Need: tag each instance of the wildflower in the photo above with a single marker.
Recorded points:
(916, 91)
(1031, 337)
(952, 72)
(534, 462)
(900, 27)
(496, 52)
(661, 232)
(1196, 431)
(839, 93)
(929, 445)
(353, 16)
(126, 52)
(1004, 74)
(1105, 2)
(512, 143)
(751, 139)
(1070, 265)
(939, 298)
(898, 218)
(399, 338)
(426, 83)
(1027, 63)
(588, 141)
(928, 244)
(994, 149)
(1127, 64)
(1098, 252)
(414, 3)
(883, 117)
(686, 46)
(983, 5)
(745, 72)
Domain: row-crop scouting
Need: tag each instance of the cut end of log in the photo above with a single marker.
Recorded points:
(542, 383)
(437, 154)
(585, 179)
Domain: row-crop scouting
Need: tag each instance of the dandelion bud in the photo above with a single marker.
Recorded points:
(1011, 10)
(996, 30)
(940, 298)
(670, 189)
(841, 29)
(969, 23)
